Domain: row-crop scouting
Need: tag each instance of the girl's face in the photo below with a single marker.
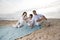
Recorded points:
(29, 16)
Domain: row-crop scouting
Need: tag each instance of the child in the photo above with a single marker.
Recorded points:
(30, 21)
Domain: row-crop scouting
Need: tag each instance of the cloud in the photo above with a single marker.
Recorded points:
(11, 6)
(8, 6)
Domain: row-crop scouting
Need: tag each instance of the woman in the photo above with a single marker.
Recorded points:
(22, 20)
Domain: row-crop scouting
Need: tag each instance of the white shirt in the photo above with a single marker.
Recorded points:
(21, 20)
(36, 17)
(30, 22)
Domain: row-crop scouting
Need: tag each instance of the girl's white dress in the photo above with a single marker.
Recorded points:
(30, 22)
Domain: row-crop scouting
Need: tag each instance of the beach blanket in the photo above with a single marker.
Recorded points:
(11, 33)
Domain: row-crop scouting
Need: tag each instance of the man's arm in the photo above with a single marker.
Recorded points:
(43, 18)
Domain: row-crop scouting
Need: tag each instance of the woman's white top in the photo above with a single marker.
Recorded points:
(22, 21)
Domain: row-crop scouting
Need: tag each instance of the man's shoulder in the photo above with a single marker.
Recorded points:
(40, 14)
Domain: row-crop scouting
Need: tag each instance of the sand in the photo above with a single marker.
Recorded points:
(7, 22)
(46, 33)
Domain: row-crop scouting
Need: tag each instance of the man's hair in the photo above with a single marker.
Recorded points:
(34, 10)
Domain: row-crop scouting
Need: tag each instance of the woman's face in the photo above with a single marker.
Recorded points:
(25, 14)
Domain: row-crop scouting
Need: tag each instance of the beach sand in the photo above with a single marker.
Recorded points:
(46, 33)
(7, 22)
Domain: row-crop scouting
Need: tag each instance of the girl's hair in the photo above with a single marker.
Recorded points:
(31, 15)
(24, 13)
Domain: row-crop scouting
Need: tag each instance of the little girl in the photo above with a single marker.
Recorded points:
(30, 21)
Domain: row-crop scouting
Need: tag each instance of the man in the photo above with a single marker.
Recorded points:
(22, 20)
(39, 19)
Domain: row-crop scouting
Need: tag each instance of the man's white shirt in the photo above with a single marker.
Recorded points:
(36, 17)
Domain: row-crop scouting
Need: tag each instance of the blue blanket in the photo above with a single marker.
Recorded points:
(11, 33)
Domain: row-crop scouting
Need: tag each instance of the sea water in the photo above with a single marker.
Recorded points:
(12, 33)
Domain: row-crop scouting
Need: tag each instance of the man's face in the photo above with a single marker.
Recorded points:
(34, 13)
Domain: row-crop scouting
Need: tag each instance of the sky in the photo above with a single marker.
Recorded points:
(15, 6)
(11, 6)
